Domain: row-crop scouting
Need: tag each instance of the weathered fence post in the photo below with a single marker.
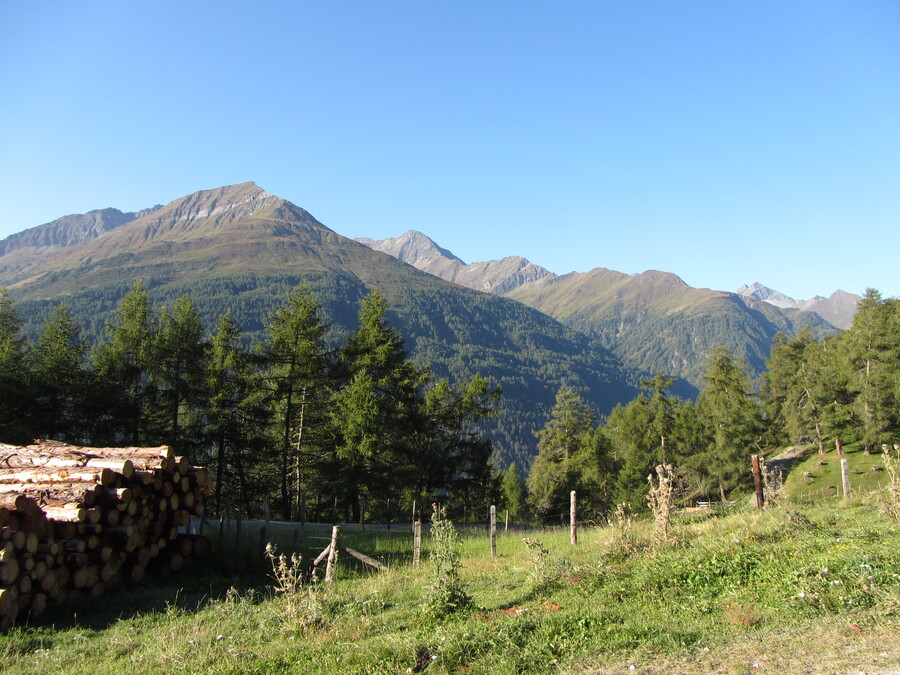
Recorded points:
(302, 508)
(493, 531)
(757, 479)
(417, 542)
(237, 538)
(264, 530)
(506, 526)
(332, 555)
(573, 527)
(845, 477)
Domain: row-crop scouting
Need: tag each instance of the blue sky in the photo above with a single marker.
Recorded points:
(725, 142)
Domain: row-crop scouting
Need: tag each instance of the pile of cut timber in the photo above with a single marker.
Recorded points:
(76, 521)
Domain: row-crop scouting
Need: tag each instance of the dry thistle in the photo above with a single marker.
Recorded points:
(661, 499)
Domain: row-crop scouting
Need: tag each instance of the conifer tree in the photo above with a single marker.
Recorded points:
(60, 378)
(16, 403)
(572, 455)
(122, 364)
(870, 351)
(299, 376)
(377, 415)
(237, 414)
(512, 489)
(176, 369)
(642, 433)
(453, 452)
(731, 420)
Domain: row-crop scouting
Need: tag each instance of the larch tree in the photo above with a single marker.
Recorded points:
(61, 377)
(299, 376)
(122, 364)
(177, 370)
(732, 421)
(572, 455)
(15, 396)
(377, 414)
(237, 413)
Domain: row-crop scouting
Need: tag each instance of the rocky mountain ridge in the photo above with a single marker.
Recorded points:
(72, 230)
(838, 309)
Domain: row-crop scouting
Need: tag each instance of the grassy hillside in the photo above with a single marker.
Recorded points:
(812, 588)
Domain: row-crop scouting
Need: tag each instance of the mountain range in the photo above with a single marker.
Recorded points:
(653, 321)
(838, 309)
(240, 248)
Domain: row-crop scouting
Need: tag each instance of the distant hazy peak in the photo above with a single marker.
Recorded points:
(838, 309)
(411, 247)
(759, 292)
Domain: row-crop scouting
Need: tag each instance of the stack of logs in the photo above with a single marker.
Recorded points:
(76, 522)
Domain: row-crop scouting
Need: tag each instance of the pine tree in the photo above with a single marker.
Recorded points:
(513, 491)
(642, 434)
(176, 369)
(453, 452)
(732, 422)
(237, 414)
(572, 455)
(870, 349)
(16, 401)
(61, 378)
(377, 414)
(299, 373)
(122, 365)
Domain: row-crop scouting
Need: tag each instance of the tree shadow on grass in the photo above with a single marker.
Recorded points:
(190, 591)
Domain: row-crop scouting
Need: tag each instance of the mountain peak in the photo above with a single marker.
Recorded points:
(412, 247)
(757, 291)
(242, 199)
(838, 309)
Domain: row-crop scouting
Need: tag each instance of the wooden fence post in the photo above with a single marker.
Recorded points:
(506, 526)
(332, 555)
(237, 539)
(757, 479)
(264, 530)
(493, 531)
(573, 527)
(302, 508)
(417, 542)
(845, 477)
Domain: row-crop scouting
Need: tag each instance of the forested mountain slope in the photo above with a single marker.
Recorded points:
(653, 321)
(239, 247)
(657, 323)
